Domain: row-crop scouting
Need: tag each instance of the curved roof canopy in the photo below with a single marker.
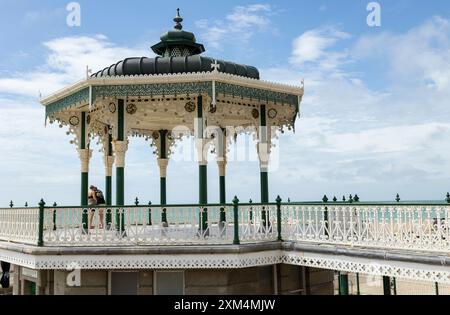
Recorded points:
(178, 53)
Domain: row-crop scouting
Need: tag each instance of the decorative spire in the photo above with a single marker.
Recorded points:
(178, 42)
(178, 19)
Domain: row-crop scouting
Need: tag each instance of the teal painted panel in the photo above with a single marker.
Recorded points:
(69, 101)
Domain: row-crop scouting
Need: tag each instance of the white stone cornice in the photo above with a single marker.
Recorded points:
(163, 163)
(85, 156)
(174, 78)
(120, 148)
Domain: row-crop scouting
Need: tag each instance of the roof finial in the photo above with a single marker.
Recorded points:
(178, 19)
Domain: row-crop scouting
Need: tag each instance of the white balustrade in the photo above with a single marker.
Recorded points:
(19, 225)
(254, 226)
(138, 226)
(406, 227)
(422, 228)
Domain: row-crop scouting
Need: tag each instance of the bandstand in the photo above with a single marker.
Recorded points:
(179, 93)
(214, 246)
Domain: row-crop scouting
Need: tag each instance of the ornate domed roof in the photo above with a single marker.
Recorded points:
(178, 53)
(174, 65)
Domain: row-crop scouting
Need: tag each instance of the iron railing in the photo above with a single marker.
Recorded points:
(415, 226)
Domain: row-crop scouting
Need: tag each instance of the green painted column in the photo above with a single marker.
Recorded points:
(203, 167)
(386, 285)
(163, 194)
(222, 188)
(120, 147)
(222, 164)
(108, 168)
(84, 172)
(163, 162)
(343, 284)
(223, 200)
(203, 195)
(85, 155)
(84, 188)
(109, 161)
(264, 176)
(108, 190)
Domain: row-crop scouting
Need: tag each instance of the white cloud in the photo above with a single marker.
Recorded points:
(313, 46)
(39, 157)
(351, 138)
(372, 141)
(66, 63)
(240, 25)
(420, 56)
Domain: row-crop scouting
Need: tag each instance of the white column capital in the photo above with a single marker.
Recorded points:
(109, 162)
(264, 155)
(85, 156)
(163, 163)
(202, 150)
(120, 148)
(222, 167)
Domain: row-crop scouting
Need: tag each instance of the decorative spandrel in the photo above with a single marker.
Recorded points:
(71, 120)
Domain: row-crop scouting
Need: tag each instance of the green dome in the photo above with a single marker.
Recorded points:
(178, 43)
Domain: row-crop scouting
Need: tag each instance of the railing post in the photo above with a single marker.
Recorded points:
(41, 223)
(108, 219)
(223, 217)
(279, 218)
(325, 215)
(84, 220)
(54, 216)
(149, 213)
(164, 217)
(236, 220)
(251, 211)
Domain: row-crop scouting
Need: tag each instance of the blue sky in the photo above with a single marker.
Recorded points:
(375, 116)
